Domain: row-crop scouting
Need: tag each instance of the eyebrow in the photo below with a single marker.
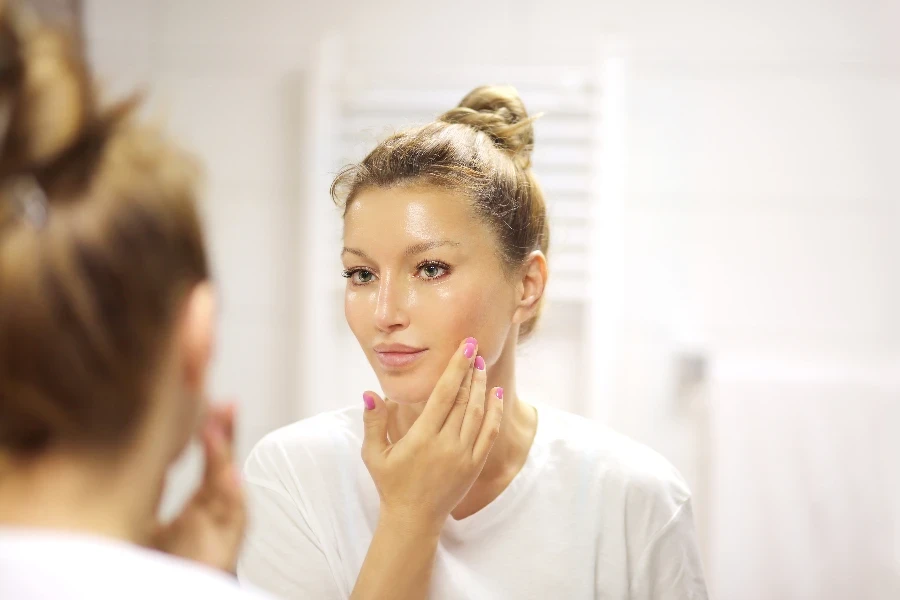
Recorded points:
(410, 250)
(356, 252)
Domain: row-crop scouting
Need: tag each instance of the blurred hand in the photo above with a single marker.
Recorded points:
(422, 477)
(211, 527)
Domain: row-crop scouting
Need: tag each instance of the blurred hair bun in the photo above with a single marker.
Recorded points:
(46, 93)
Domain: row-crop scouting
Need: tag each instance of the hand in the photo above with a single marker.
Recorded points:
(211, 527)
(422, 477)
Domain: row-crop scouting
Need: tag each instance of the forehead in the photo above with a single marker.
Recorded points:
(410, 214)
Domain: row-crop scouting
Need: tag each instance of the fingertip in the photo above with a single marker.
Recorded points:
(371, 400)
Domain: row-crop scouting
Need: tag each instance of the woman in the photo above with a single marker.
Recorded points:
(445, 235)
(106, 329)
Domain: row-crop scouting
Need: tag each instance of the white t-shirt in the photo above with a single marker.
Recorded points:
(51, 565)
(591, 514)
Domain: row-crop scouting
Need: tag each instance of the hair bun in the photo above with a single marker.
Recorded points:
(45, 91)
(498, 111)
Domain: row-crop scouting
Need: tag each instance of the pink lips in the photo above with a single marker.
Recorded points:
(397, 355)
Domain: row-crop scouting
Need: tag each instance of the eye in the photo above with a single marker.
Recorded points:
(432, 270)
(359, 276)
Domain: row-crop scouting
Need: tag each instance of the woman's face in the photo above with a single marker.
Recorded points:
(423, 273)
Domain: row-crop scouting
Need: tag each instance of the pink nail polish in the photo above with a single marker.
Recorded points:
(479, 363)
(500, 393)
(469, 351)
(471, 340)
(370, 401)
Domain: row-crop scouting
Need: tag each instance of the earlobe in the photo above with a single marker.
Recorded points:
(531, 286)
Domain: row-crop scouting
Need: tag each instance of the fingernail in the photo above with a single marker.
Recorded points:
(370, 401)
(469, 351)
(479, 363)
(471, 340)
(500, 393)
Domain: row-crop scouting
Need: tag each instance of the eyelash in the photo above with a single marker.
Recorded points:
(349, 273)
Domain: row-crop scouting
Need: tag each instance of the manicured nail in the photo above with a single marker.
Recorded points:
(471, 340)
(479, 363)
(469, 351)
(500, 393)
(370, 401)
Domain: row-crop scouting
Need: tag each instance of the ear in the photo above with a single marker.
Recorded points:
(197, 336)
(531, 286)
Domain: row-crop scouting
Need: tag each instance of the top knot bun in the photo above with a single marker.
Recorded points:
(45, 91)
(498, 111)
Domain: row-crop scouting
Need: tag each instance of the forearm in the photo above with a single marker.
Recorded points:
(399, 562)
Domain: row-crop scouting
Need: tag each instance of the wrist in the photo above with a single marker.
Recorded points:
(410, 523)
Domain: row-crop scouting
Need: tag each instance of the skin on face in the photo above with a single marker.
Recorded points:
(423, 273)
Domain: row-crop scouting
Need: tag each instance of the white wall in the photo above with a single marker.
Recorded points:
(761, 185)
(761, 231)
(761, 149)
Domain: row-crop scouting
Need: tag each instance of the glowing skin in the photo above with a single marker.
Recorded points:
(423, 274)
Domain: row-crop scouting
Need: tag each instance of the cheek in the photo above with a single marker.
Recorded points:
(356, 311)
(453, 314)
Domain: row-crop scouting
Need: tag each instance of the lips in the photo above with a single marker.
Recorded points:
(397, 356)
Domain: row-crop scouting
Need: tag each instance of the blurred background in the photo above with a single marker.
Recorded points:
(724, 185)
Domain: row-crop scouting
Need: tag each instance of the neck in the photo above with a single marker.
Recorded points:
(74, 492)
(516, 430)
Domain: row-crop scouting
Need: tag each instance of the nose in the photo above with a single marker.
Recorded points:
(391, 310)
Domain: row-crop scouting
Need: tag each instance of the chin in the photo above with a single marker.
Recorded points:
(407, 388)
(404, 392)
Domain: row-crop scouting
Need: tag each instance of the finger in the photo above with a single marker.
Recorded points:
(462, 396)
(227, 424)
(375, 421)
(454, 421)
(215, 453)
(228, 419)
(224, 414)
(490, 426)
(221, 494)
(442, 399)
(476, 408)
(221, 418)
(225, 501)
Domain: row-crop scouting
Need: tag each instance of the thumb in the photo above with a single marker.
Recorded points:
(375, 420)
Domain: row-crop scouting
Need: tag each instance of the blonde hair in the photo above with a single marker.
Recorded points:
(482, 148)
(91, 282)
